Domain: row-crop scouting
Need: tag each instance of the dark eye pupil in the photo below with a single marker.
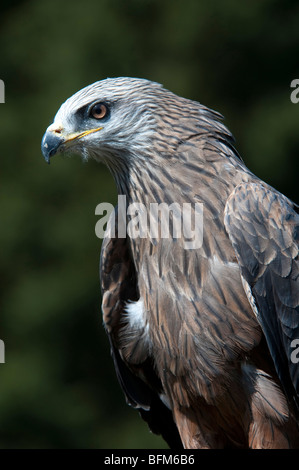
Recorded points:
(99, 111)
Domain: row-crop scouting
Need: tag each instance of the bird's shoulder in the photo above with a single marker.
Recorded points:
(263, 226)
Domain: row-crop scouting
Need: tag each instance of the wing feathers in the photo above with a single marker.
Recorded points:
(263, 227)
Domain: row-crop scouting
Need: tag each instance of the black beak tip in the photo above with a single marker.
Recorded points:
(50, 145)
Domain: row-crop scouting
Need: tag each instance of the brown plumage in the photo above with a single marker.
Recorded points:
(201, 338)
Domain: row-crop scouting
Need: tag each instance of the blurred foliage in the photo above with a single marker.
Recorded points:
(58, 386)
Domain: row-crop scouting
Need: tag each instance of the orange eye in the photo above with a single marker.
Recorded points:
(99, 111)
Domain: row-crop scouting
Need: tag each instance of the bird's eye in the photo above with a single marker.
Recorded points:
(99, 111)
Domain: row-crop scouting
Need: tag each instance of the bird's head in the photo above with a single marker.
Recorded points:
(129, 123)
(110, 120)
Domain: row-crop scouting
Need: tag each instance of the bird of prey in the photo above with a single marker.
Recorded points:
(203, 338)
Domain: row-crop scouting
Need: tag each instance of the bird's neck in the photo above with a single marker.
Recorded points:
(182, 176)
(201, 184)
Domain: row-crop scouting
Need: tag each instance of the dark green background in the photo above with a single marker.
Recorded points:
(58, 388)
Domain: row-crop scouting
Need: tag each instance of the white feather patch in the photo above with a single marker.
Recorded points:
(250, 297)
(216, 264)
(165, 400)
(136, 314)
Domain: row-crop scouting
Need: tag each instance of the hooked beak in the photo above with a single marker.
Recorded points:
(54, 139)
